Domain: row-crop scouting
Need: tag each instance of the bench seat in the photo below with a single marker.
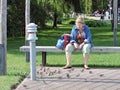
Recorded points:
(45, 49)
(54, 49)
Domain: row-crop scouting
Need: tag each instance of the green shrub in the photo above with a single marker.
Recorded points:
(69, 21)
(89, 22)
(96, 23)
(59, 22)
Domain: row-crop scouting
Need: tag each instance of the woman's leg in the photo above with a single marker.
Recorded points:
(68, 58)
(86, 57)
(68, 51)
(86, 51)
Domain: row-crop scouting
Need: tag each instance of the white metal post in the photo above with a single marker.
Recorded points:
(32, 60)
(32, 29)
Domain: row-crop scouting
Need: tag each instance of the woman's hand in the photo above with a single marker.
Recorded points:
(76, 45)
(81, 45)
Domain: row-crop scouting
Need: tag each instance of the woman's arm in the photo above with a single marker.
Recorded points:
(88, 34)
(73, 33)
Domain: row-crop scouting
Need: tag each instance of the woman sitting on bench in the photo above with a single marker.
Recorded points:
(80, 39)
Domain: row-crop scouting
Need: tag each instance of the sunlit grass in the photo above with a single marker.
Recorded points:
(17, 68)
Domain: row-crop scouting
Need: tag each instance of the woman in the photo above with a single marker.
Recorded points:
(80, 39)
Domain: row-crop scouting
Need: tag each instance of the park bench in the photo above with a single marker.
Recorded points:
(45, 49)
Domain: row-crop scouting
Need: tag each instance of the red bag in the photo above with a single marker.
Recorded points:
(66, 39)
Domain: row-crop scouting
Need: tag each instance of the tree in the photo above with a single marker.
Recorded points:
(88, 6)
(38, 13)
(75, 5)
(16, 18)
(99, 4)
(44, 10)
(56, 5)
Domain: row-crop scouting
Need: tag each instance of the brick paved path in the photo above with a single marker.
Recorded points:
(56, 78)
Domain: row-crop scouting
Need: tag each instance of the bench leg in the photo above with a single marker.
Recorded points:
(43, 58)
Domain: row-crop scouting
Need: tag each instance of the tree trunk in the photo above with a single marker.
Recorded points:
(55, 20)
(76, 4)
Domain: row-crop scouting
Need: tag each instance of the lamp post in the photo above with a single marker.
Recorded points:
(32, 29)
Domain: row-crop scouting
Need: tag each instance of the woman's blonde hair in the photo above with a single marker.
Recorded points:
(80, 19)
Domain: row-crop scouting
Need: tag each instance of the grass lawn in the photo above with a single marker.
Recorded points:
(17, 68)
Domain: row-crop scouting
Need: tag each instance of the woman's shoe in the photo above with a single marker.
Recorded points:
(67, 67)
(86, 67)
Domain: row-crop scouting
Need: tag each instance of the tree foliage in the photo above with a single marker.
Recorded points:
(15, 18)
(88, 5)
(54, 10)
(99, 4)
(45, 10)
(75, 5)
(38, 13)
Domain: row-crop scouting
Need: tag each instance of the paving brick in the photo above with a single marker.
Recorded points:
(56, 78)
